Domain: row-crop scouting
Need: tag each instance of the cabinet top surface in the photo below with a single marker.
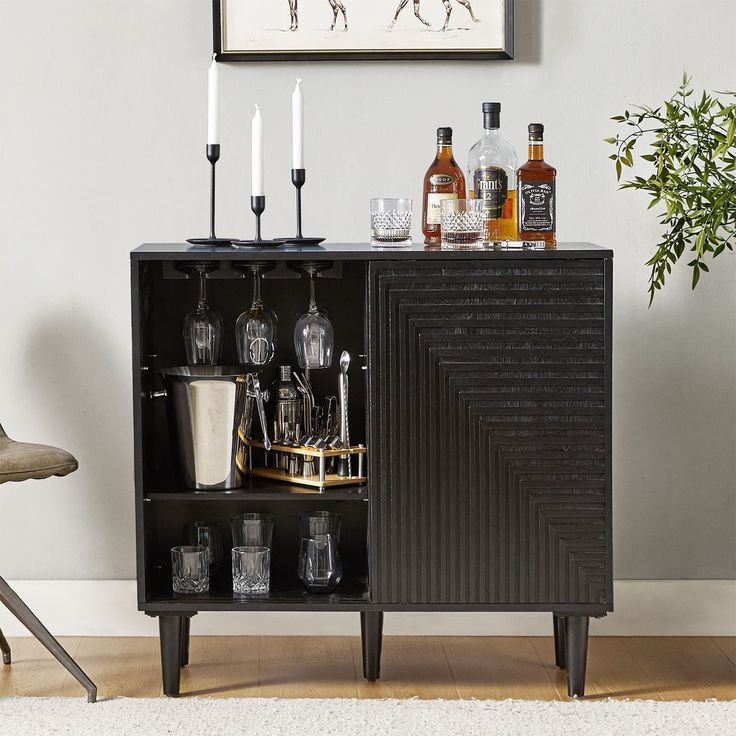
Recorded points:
(358, 251)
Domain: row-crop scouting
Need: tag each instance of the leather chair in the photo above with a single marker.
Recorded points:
(21, 461)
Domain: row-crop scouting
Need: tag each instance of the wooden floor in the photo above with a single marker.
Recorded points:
(423, 667)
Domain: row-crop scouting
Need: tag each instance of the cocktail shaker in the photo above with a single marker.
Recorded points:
(288, 405)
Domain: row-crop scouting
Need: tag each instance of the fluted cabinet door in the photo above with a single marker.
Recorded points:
(489, 388)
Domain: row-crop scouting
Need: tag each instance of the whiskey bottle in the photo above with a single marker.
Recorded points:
(492, 173)
(444, 180)
(537, 196)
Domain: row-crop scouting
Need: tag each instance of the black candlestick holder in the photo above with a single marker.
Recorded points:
(213, 155)
(298, 177)
(258, 205)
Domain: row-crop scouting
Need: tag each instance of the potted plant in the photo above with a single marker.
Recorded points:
(691, 166)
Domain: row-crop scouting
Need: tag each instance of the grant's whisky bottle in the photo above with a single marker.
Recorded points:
(444, 180)
(537, 196)
(492, 171)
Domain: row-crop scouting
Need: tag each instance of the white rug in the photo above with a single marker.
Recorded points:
(264, 717)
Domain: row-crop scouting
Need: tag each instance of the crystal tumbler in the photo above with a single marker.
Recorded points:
(251, 570)
(190, 569)
(390, 222)
(461, 223)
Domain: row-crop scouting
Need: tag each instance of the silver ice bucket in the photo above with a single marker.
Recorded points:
(206, 406)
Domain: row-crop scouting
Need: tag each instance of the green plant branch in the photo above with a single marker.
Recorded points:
(692, 162)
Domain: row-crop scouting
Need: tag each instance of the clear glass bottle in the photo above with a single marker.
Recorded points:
(444, 180)
(492, 176)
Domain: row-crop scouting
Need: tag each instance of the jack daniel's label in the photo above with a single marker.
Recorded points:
(537, 207)
(491, 184)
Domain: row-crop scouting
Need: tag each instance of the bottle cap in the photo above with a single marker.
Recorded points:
(536, 132)
(491, 115)
(444, 135)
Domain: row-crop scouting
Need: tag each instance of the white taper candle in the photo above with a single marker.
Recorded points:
(257, 155)
(213, 103)
(297, 115)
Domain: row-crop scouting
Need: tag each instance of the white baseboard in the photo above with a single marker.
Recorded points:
(643, 608)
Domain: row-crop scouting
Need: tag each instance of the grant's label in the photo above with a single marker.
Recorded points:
(434, 205)
(491, 184)
(537, 207)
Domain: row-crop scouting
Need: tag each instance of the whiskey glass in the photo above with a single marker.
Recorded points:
(202, 331)
(391, 222)
(190, 569)
(462, 223)
(256, 328)
(314, 337)
(251, 570)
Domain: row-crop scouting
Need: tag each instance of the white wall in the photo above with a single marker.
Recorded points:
(102, 126)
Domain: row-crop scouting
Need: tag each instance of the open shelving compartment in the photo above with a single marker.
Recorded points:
(165, 296)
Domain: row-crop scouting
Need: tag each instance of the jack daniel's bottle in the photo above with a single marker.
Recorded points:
(492, 171)
(444, 180)
(537, 198)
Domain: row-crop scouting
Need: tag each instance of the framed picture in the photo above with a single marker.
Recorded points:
(370, 30)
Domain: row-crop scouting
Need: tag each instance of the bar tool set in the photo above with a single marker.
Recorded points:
(310, 444)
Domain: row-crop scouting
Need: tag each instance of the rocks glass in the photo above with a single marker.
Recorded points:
(251, 570)
(461, 223)
(390, 222)
(190, 569)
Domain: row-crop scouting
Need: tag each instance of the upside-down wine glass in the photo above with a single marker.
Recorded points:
(202, 330)
(255, 330)
(314, 337)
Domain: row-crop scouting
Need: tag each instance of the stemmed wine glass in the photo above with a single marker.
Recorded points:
(314, 337)
(202, 330)
(255, 330)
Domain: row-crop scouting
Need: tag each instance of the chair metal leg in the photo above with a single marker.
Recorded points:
(24, 614)
(4, 648)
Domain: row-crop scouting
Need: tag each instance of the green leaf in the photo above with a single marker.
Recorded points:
(696, 276)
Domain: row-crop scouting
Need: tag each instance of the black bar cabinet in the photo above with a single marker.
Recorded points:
(481, 385)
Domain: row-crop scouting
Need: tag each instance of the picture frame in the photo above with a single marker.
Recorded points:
(380, 30)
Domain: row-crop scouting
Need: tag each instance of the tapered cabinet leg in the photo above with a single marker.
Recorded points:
(185, 641)
(371, 631)
(20, 610)
(5, 649)
(559, 627)
(576, 654)
(170, 634)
